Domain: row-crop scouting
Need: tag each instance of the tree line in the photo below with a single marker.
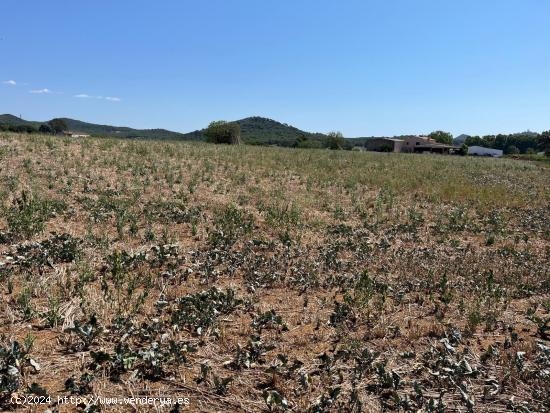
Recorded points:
(525, 142)
(54, 126)
(222, 132)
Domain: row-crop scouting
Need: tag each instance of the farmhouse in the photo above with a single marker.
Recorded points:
(411, 144)
(482, 151)
(425, 144)
(75, 134)
(384, 145)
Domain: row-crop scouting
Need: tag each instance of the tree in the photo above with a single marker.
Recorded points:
(335, 140)
(223, 132)
(45, 129)
(475, 141)
(463, 151)
(543, 143)
(512, 150)
(58, 125)
(304, 141)
(22, 128)
(442, 137)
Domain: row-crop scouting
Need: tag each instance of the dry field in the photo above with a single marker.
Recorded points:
(253, 279)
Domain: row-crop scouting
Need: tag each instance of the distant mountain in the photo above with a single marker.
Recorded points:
(254, 130)
(264, 131)
(460, 139)
(121, 131)
(99, 130)
(15, 121)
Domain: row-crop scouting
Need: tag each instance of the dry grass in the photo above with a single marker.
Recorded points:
(362, 282)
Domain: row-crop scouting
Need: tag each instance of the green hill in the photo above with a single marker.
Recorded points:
(254, 130)
(98, 130)
(120, 131)
(263, 131)
(15, 121)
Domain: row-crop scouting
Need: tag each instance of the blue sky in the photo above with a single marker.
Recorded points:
(363, 67)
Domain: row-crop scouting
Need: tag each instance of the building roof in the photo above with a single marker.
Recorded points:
(385, 139)
(68, 132)
(484, 149)
(436, 145)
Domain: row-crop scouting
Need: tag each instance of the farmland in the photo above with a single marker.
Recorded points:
(269, 279)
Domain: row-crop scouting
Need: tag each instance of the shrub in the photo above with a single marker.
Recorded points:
(223, 132)
(442, 137)
(512, 150)
(58, 125)
(13, 358)
(230, 224)
(200, 310)
(45, 129)
(334, 140)
(27, 216)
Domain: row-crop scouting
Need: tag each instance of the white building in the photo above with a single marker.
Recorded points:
(481, 151)
(75, 134)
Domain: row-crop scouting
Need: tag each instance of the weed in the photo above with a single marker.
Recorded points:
(200, 311)
(27, 215)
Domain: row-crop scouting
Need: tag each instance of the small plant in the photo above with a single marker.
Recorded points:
(543, 326)
(220, 385)
(28, 215)
(230, 224)
(269, 320)
(326, 401)
(57, 249)
(283, 215)
(387, 379)
(473, 321)
(25, 305)
(87, 331)
(62, 248)
(149, 362)
(200, 311)
(13, 359)
(274, 400)
(80, 386)
(53, 315)
(343, 313)
(251, 353)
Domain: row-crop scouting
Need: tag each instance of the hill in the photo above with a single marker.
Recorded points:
(11, 120)
(98, 130)
(263, 131)
(254, 130)
(121, 131)
(460, 139)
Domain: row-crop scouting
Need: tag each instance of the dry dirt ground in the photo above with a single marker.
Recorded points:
(253, 279)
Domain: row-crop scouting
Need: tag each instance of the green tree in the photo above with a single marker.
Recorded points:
(45, 129)
(303, 141)
(475, 141)
(58, 125)
(22, 128)
(512, 150)
(543, 143)
(223, 132)
(442, 137)
(335, 140)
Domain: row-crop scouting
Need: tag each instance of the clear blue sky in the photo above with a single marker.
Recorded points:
(363, 67)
